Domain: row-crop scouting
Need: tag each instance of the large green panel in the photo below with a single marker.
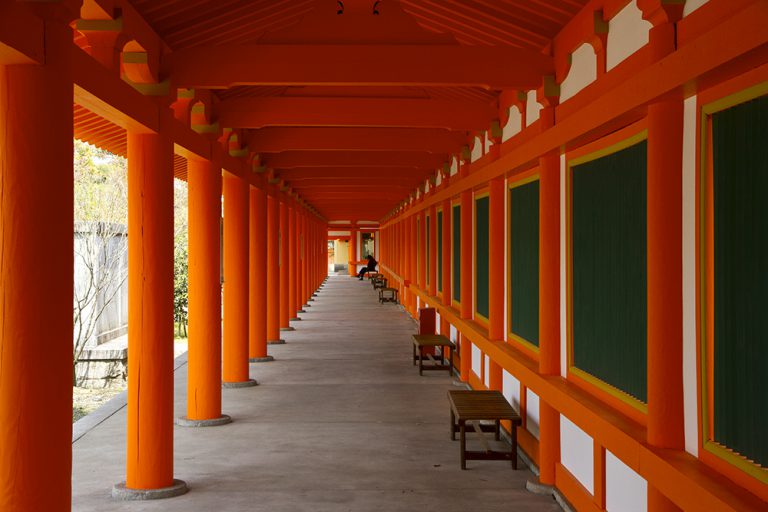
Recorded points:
(481, 255)
(456, 245)
(740, 151)
(439, 251)
(524, 261)
(609, 269)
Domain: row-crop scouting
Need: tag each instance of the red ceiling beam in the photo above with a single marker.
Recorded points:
(488, 67)
(293, 159)
(279, 139)
(258, 112)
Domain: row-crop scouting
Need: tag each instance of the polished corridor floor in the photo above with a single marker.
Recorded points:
(341, 421)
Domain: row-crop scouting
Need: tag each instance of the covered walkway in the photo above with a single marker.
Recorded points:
(340, 421)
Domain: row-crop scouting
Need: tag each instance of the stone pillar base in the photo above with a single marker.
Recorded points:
(183, 421)
(301, 311)
(536, 487)
(261, 359)
(123, 493)
(242, 384)
(295, 319)
(276, 342)
(287, 329)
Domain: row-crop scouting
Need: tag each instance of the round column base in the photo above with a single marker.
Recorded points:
(265, 359)
(283, 329)
(301, 311)
(242, 384)
(276, 342)
(295, 319)
(183, 421)
(536, 487)
(123, 493)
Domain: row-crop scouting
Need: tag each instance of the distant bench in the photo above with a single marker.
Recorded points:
(420, 341)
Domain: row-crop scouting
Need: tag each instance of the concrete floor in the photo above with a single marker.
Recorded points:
(340, 422)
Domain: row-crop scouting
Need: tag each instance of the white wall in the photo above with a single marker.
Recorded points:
(627, 33)
(486, 377)
(510, 388)
(514, 124)
(532, 409)
(625, 490)
(582, 73)
(477, 360)
(532, 108)
(477, 150)
(692, 5)
(577, 453)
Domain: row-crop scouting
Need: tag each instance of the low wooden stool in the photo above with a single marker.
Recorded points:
(477, 406)
(388, 295)
(432, 340)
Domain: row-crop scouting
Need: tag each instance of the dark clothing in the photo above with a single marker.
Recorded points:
(371, 267)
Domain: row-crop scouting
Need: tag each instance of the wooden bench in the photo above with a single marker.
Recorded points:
(477, 406)
(379, 282)
(388, 295)
(433, 341)
(373, 274)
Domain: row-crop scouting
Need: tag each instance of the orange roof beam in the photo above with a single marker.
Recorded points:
(299, 174)
(279, 139)
(293, 159)
(224, 66)
(258, 112)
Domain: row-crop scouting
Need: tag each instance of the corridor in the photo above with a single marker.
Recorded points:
(341, 421)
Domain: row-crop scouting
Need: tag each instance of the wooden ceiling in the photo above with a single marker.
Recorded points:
(354, 110)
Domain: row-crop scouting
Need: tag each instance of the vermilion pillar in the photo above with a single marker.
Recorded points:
(421, 255)
(204, 355)
(236, 211)
(353, 252)
(150, 308)
(273, 270)
(432, 274)
(549, 300)
(496, 282)
(293, 268)
(284, 259)
(257, 275)
(446, 257)
(303, 262)
(36, 232)
(467, 263)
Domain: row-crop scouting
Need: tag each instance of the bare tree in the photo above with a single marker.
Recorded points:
(100, 241)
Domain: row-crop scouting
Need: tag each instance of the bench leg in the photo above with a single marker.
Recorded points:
(463, 444)
(421, 363)
(497, 432)
(453, 426)
(414, 354)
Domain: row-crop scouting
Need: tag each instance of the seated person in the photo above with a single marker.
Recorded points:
(370, 267)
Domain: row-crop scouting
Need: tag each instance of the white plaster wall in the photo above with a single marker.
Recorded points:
(625, 490)
(514, 124)
(453, 334)
(563, 276)
(627, 33)
(577, 453)
(454, 165)
(532, 108)
(582, 73)
(338, 233)
(532, 409)
(486, 377)
(690, 403)
(438, 322)
(477, 360)
(487, 143)
(692, 5)
(477, 150)
(510, 388)
(439, 179)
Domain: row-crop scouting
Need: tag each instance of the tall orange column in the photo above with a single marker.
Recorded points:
(204, 353)
(150, 308)
(549, 300)
(36, 230)
(432, 274)
(353, 252)
(467, 274)
(273, 270)
(421, 255)
(303, 262)
(496, 282)
(284, 263)
(446, 257)
(257, 275)
(236, 211)
(293, 267)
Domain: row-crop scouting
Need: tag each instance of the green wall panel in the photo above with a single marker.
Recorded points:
(456, 246)
(439, 234)
(740, 180)
(481, 255)
(524, 261)
(609, 269)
